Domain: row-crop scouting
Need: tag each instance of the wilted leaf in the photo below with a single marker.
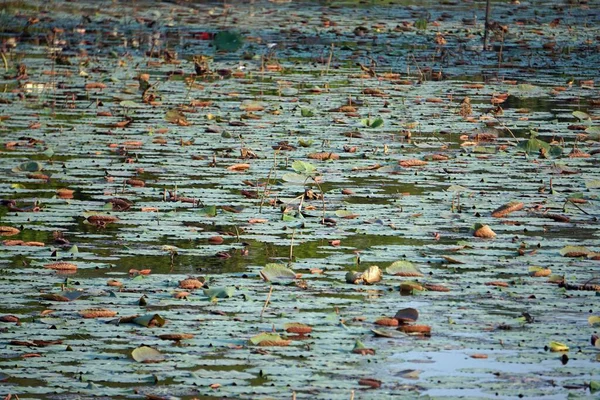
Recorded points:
(574, 251)
(372, 275)
(176, 336)
(507, 208)
(148, 320)
(539, 271)
(557, 346)
(269, 339)
(69, 295)
(298, 328)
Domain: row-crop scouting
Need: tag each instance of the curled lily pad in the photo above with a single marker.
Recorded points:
(372, 275)
(147, 320)
(360, 348)
(403, 268)
(407, 315)
(145, 354)
(354, 277)
(277, 273)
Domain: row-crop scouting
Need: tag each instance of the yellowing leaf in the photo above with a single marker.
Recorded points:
(557, 346)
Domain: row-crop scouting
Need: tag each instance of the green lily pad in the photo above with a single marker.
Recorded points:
(220, 293)
(403, 268)
(228, 41)
(277, 273)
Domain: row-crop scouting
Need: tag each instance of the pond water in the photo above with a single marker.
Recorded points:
(267, 149)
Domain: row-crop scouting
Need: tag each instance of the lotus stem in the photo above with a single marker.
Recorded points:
(266, 301)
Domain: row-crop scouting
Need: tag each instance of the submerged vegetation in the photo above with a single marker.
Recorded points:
(302, 199)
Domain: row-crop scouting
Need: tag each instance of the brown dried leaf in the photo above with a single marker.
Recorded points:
(61, 266)
(412, 163)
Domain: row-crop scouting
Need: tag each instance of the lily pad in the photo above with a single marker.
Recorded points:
(277, 273)
(220, 292)
(145, 354)
(407, 315)
(403, 268)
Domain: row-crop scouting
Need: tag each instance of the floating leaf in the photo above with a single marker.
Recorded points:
(594, 320)
(228, 41)
(507, 208)
(298, 328)
(346, 214)
(535, 146)
(557, 346)
(483, 231)
(410, 286)
(129, 104)
(49, 152)
(539, 271)
(360, 348)
(582, 116)
(175, 116)
(61, 266)
(145, 354)
(307, 112)
(268, 339)
(176, 336)
(277, 273)
(97, 313)
(293, 177)
(354, 277)
(372, 275)
(148, 320)
(219, 293)
(403, 268)
(574, 251)
(8, 231)
(30, 166)
(208, 211)
(407, 315)
(68, 295)
(303, 167)
(421, 24)
(376, 123)
(424, 330)
(387, 321)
